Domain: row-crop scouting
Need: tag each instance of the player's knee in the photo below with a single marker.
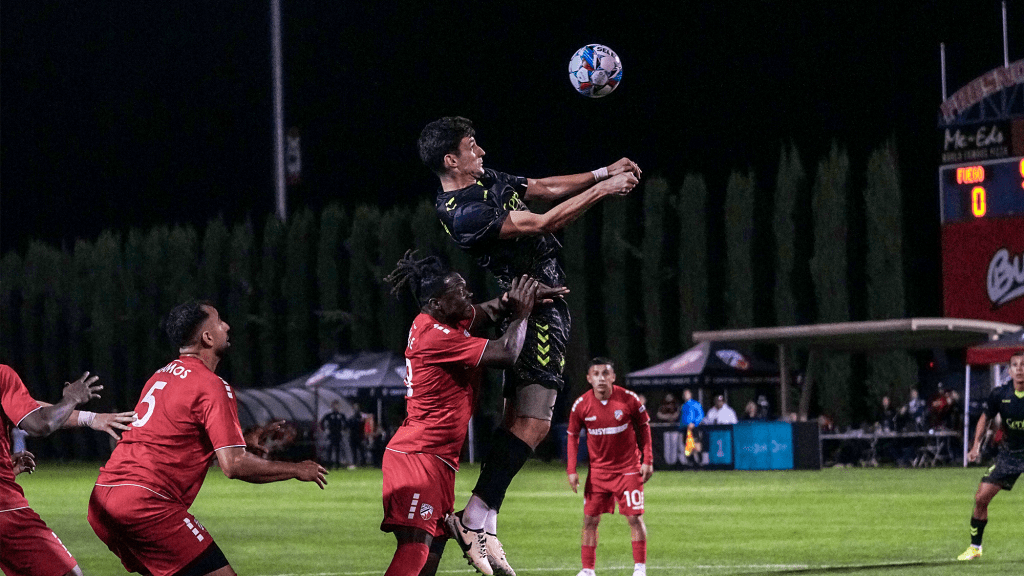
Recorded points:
(76, 571)
(591, 522)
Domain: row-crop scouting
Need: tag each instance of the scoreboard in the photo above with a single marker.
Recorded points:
(983, 239)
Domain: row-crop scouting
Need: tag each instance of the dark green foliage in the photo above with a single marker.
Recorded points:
(395, 239)
(297, 291)
(365, 279)
(692, 205)
(271, 306)
(332, 275)
(789, 182)
(739, 234)
(658, 273)
(615, 261)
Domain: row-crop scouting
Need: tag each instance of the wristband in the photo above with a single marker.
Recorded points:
(600, 174)
(85, 417)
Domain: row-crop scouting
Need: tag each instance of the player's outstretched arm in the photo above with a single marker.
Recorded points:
(555, 188)
(503, 351)
(979, 433)
(493, 311)
(238, 464)
(109, 422)
(525, 223)
(48, 419)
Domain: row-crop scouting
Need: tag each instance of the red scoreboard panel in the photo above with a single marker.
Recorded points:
(983, 239)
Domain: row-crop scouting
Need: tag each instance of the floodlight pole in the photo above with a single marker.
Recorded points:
(1006, 41)
(276, 65)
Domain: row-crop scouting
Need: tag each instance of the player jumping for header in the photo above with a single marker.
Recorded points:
(484, 212)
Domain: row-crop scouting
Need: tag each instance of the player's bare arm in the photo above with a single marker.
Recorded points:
(109, 422)
(493, 311)
(555, 188)
(48, 419)
(504, 351)
(23, 462)
(238, 464)
(979, 433)
(526, 223)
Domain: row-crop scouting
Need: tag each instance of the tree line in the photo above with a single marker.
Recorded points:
(645, 272)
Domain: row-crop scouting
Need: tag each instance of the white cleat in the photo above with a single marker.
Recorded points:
(472, 542)
(496, 556)
(586, 572)
(639, 570)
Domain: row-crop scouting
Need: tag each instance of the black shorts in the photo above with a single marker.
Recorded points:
(543, 357)
(1008, 467)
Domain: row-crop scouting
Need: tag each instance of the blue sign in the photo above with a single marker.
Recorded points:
(720, 446)
(763, 445)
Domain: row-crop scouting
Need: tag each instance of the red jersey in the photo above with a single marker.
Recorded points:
(186, 413)
(17, 404)
(442, 373)
(617, 429)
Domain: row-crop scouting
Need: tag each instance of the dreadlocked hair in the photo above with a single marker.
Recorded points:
(424, 277)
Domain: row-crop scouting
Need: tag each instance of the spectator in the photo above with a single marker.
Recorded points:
(750, 412)
(720, 413)
(764, 410)
(668, 411)
(885, 416)
(911, 415)
(692, 414)
(356, 436)
(334, 423)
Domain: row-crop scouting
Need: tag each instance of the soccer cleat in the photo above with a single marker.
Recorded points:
(690, 444)
(496, 556)
(472, 542)
(970, 554)
(639, 570)
(586, 572)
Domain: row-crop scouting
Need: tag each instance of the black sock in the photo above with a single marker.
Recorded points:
(977, 530)
(504, 460)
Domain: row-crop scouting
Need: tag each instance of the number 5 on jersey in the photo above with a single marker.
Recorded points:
(150, 402)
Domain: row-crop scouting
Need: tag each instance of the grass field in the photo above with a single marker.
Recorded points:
(849, 521)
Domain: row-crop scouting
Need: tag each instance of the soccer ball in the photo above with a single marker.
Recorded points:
(595, 70)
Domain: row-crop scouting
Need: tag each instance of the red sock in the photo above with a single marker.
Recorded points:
(589, 554)
(408, 560)
(640, 551)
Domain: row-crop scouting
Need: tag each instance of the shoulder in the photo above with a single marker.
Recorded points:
(8, 376)
(582, 401)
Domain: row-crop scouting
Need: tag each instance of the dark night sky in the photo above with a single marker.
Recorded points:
(148, 113)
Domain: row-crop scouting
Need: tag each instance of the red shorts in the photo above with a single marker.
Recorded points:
(30, 548)
(146, 530)
(419, 490)
(604, 489)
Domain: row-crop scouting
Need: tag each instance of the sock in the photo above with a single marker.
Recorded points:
(977, 530)
(640, 551)
(475, 514)
(491, 522)
(409, 559)
(589, 556)
(504, 460)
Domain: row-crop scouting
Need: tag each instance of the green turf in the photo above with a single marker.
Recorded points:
(846, 521)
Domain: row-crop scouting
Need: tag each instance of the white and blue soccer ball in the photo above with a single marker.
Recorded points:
(595, 70)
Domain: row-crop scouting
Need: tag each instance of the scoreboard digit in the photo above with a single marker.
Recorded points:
(983, 190)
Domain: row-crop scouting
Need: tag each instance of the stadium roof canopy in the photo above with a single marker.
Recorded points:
(868, 336)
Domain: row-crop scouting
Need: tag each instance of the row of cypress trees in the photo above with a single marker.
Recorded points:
(644, 273)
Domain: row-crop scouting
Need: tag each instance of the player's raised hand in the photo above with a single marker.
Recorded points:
(522, 295)
(23, 462)
(624, 166)
(83, 389)
(111, 422)
(546, 294)
(309, 471)
(574, 482)
(620, 185)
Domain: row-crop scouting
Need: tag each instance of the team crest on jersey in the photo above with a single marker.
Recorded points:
(618, 414)
(426, 511)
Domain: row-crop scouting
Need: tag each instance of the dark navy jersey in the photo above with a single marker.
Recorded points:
(1009, 404)
(473, 217)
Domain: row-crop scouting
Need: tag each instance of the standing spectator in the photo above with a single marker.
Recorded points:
(913, 411)
(333, 423)
(669, 411)
(356, 437)
(692, 414)
(27, 545)
(720, 413)
(885, 416)
(618, 434)
(764, 409)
